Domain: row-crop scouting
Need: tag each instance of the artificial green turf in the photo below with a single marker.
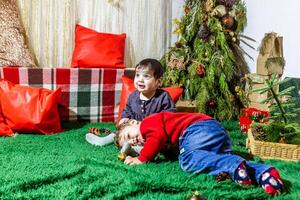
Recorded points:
(65, 166)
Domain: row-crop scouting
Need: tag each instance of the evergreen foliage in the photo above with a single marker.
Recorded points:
(207, 60)
(283, 110)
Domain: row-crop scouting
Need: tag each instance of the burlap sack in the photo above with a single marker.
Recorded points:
(270, 59)
(255, 81)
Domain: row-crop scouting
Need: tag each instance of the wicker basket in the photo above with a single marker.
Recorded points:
(270, 150)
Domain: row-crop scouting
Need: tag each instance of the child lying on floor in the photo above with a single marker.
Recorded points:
(203, 144)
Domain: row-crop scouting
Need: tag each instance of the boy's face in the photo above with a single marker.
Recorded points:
(131, 133)
(144, 80)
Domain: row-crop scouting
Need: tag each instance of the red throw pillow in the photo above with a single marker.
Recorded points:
(128, 88)
(5, 130)
(30, 110)
(95, 49)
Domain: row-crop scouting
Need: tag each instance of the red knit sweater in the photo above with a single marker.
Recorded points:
(159, 128)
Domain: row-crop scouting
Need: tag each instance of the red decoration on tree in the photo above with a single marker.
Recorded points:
(200, 70)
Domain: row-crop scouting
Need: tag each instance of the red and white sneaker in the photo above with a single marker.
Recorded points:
(271, 182)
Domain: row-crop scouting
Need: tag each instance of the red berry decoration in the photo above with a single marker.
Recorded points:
(200, 70)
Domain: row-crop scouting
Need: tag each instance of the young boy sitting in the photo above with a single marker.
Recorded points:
(146, 100)
(203, 144)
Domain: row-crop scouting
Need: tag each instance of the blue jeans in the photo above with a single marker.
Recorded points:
(205, 147)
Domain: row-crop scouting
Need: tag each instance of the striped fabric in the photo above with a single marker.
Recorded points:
(87, 94)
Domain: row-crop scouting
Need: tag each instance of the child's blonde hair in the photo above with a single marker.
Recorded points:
(120, 128)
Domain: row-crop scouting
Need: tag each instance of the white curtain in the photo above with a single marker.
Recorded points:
(50, 25)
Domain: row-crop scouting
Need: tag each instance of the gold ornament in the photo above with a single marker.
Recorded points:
(237, 88)
(178, 28)
(196, 196)
(208, 6)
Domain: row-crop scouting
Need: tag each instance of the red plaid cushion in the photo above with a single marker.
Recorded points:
(88, 94)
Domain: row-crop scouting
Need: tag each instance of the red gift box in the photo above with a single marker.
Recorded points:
(248, 115)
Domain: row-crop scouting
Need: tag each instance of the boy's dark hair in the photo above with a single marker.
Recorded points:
(154, 65)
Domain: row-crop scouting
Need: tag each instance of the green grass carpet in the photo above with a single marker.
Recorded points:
(65, 166)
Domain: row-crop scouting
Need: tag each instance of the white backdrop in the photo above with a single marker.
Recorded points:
(282, 17)
(50, 25)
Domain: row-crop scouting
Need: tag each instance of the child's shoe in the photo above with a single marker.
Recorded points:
(241, 175)
(99, 131)
(271, 182)
(100, 141)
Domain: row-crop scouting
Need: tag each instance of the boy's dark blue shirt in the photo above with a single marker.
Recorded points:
(138, 109)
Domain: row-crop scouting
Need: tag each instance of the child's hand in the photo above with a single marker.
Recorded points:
(122, 121)
(132, 161)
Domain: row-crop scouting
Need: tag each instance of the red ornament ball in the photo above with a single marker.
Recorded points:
(200, 70)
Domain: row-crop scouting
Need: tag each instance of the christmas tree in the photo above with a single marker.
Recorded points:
(207, 59)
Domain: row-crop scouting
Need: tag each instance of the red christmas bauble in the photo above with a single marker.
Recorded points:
(200, 70)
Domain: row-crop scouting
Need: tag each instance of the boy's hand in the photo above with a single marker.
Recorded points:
(132, 161)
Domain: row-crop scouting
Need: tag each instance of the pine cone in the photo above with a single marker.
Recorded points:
(259, 133)
(204, 32)
(228, 22)
(222, 177)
